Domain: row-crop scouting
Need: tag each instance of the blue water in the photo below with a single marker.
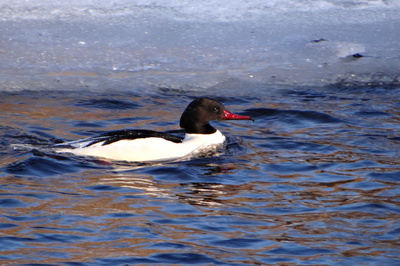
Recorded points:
(313, 181)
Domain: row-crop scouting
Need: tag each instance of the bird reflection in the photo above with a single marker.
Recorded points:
(194, 193)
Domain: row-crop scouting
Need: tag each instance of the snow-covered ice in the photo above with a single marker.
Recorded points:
(121, 44)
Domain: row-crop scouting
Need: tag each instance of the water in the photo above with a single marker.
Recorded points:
(306, 183)
(313, 181)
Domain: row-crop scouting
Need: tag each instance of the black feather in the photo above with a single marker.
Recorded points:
(114, 136)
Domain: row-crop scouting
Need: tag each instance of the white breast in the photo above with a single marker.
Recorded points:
(151, 149)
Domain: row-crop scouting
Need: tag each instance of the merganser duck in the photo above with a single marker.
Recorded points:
(148, 145)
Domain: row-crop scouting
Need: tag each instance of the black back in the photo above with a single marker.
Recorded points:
(114, 136)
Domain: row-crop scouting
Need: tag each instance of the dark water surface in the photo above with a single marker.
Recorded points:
(313, 181)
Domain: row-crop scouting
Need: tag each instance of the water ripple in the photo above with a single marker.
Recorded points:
(313, 181)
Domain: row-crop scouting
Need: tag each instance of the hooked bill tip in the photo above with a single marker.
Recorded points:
(230, 116)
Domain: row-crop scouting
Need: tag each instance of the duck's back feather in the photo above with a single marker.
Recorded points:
(114, 136)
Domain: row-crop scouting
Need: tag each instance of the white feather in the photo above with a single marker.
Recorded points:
(147, 149)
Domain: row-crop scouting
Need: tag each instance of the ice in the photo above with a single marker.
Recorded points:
(184, 44)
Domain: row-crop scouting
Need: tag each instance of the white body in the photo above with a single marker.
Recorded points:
(147, 149)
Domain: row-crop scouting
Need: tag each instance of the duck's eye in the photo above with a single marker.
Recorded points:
(215, 109)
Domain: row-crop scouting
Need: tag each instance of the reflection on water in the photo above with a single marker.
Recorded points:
(313, 181)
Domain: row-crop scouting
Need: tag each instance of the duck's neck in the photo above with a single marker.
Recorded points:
(197, 128)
